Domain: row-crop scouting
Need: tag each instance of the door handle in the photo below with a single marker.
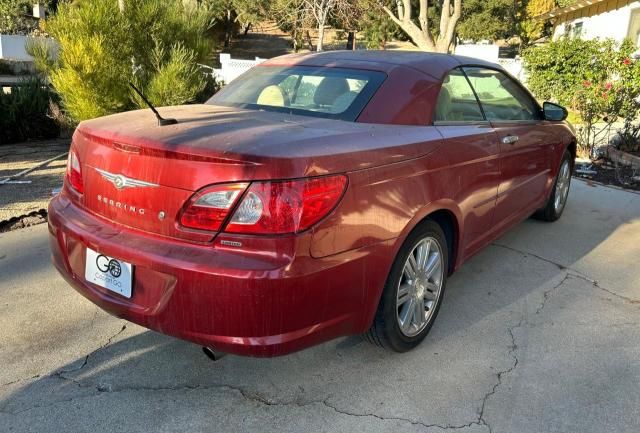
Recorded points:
(510, 139)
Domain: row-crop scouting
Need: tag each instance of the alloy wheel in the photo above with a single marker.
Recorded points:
(420, 286)
(562, 186)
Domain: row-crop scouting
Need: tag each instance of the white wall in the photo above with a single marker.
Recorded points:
(13, 47)
(487, 52)
(490, 53)
(613, 24)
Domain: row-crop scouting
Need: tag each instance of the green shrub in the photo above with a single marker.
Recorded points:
(5, 68)
(155, 44)
(595, 78)
(25, 112)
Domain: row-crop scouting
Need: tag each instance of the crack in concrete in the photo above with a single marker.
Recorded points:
(527, 253)
(597, 285)
(84, 362)
(89, 355)
(20, 380)
(547, 293)
(570, 273)
(512, 352)
(61, 374)
(573, 272)
(481, 420)
(256, 398)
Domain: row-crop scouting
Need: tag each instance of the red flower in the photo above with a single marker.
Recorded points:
(586, 83)
(605, 94)
(627, 61)
(608, 86)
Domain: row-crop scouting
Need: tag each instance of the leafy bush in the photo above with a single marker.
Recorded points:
(156, 44)
(5, 68)
(596, 78)
(25, 112)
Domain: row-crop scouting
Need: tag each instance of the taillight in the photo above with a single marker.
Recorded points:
(208, 209)
(74, 172)
(286, 206)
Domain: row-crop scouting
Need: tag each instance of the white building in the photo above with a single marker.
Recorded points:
(590, 19)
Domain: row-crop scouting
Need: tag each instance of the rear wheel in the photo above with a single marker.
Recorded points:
(558, 199)
(413, 292)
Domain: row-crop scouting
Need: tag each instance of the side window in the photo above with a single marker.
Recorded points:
(456, 102)
(502, 98)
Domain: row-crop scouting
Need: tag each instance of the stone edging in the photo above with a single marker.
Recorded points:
(623, 158)
(605, 185)
(22, 221)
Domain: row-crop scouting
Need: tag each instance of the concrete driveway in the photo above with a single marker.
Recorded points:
(538, 333)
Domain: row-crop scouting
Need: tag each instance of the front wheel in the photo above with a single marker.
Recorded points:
(558, 199)
(413, 292)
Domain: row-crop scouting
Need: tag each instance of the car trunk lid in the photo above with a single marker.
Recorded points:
(141, 175)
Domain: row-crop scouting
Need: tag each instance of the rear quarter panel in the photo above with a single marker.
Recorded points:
(381, 202)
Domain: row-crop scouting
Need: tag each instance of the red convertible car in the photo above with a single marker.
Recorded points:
(316, 196)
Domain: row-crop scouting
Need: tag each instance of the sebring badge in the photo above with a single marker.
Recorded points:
(121, 182)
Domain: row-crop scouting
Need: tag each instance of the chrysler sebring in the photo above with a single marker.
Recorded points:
(316, 196)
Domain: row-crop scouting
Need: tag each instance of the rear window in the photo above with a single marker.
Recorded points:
(311, 91)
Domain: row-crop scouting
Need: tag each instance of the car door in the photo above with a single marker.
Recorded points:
(524, 159)
(472, 151)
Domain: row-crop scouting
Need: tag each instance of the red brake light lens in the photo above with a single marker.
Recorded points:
(74, 172)
(208, 209)
(286, 206)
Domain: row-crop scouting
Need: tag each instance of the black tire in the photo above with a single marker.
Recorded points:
(385, 330)
(550, 212)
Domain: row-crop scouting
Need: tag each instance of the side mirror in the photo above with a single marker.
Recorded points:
(554, 112)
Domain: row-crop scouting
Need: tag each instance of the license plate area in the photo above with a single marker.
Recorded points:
(113, 274)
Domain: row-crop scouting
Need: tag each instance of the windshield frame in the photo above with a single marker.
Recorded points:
(374, 82)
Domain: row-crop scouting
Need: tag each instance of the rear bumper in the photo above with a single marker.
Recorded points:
(268, 299)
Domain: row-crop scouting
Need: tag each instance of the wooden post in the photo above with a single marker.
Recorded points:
(351, 40)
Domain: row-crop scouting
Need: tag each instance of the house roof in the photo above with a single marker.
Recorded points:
(567, 9)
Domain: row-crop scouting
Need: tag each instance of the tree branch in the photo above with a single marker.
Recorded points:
(423, 18)
(444, 17)
(451, 28)
(392, 16)
(407, 10)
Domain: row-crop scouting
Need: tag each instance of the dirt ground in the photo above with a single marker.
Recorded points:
(267, 40)
(33, 191)
(609, 173)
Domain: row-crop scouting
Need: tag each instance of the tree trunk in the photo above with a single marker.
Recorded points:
(294, 39)
(308, 37)
(422, 35)
(228, 31)
(351, 41)
(320, 37)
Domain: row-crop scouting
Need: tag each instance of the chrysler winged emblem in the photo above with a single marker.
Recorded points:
(122, 182)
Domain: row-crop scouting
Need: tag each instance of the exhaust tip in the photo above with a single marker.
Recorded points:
(212, 354)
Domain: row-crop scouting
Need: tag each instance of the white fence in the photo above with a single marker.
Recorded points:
(515, 67)
(232, 68)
